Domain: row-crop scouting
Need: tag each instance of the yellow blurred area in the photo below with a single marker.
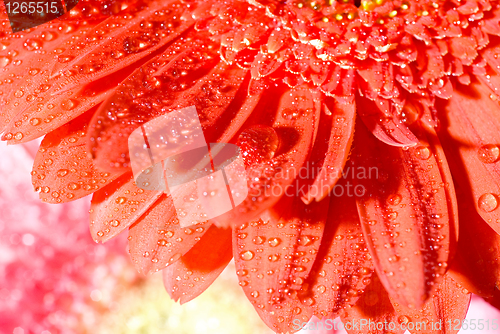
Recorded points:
(147, 308)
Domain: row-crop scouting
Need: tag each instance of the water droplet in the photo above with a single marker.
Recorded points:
(18, 136)
(403, 319)
(62, 172)
(247, 255)
(4, 61)
(35, 121)
(489, 153)
(258, 240)
(69, 104)
(273, 242)
(19, 94)
(117, 54)
(304, 240)
(120, 200)
(115, 223)
(394, 199)
(273, 258)
(422, 152)
(64, 59)
(488, 202)
(258, 143)
(48, 35)
(32, 44)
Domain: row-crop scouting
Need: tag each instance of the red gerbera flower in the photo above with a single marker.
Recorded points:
(394, 93)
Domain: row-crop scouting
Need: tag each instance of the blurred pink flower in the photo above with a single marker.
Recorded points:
(53, 277)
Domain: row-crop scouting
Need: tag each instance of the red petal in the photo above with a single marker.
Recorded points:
(441, 314)
(274, 257)
(343, 265)
(341, 270)
(476, 265)
(129, 37)
(157, 88)
(117, 206)
(339, 145)
(470, 140)
(187, 278)
(405, 215)
(63, 170)
(373, 307)
(41, 98)
(156, 239)
(383, 121)
(296, 119)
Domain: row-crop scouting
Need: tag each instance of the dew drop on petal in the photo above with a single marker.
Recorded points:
(394, 199)
(489, 153)
(273, 242)
(258, 143)
(247, 255)
(69, 104)
(422, 153)
(488, 202)
(4, 61)
(35, 121)
(120, 200)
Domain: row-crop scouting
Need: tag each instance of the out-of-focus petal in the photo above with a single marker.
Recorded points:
(117, 206)
(196, 270)
(63, 169)
(157, 240)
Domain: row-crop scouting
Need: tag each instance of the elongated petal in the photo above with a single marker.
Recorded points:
(341, 271)
(63, 170)
(372, 309)
(470, 141)
(274, 257)
(337, 150)
(156, 239)
(295, 122)
(475, 265)
(405, 216)
(382, 120)
(117, 206)
(441, 314)
(129, 37)
(196, 270)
